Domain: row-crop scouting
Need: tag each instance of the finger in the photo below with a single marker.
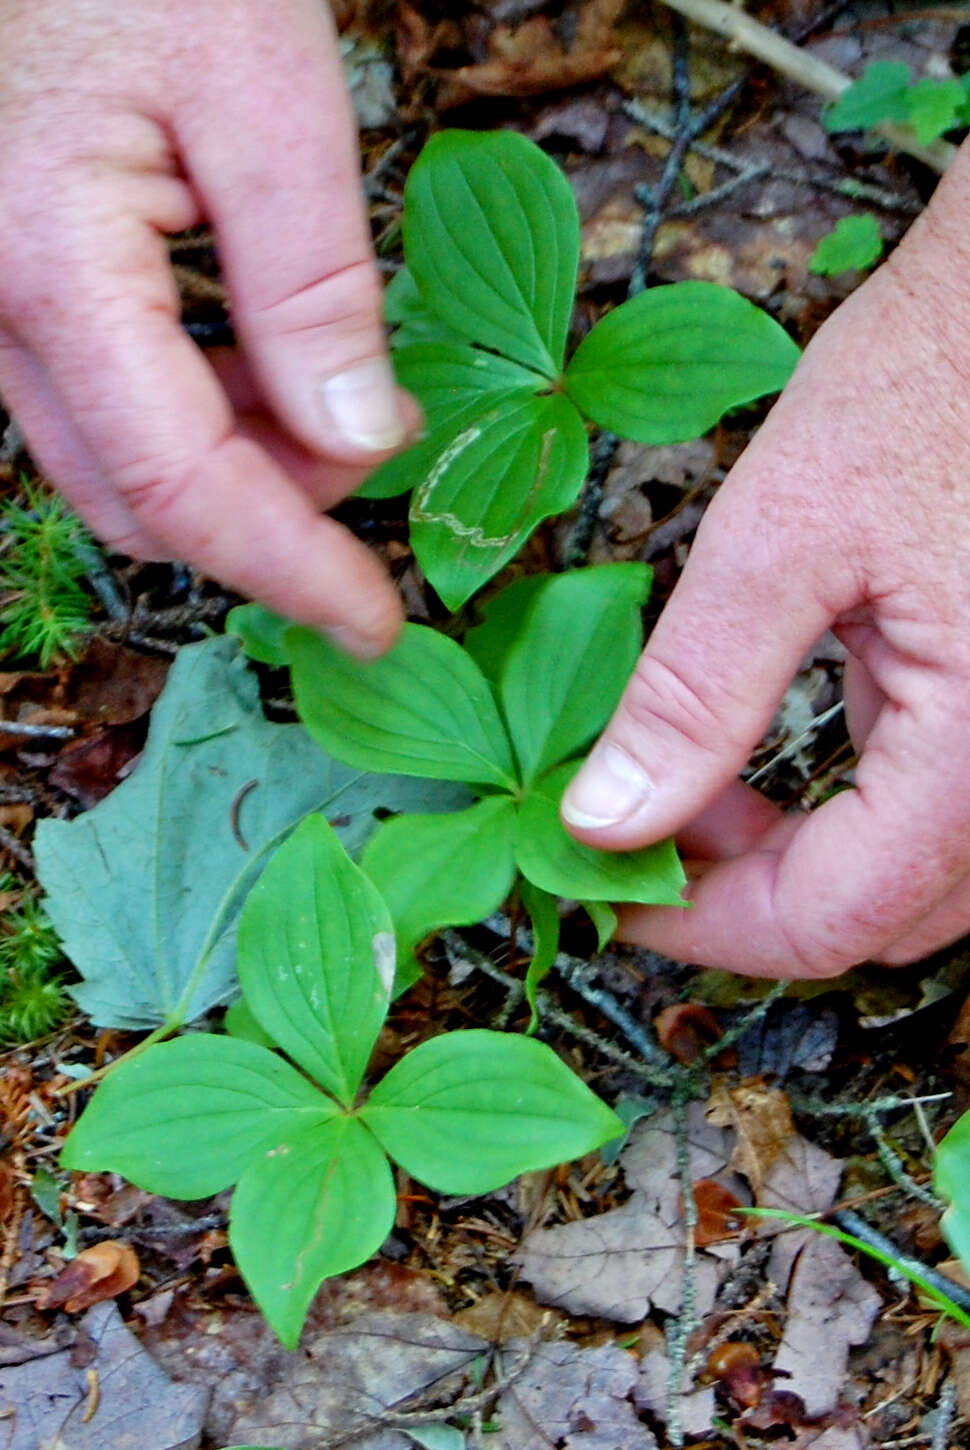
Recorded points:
(708, 683)
(863, 700)
(946, 923)
(293, 235)
(150, 411)
(325, 480)
(61, 454)
(845, 884)
(735, 823)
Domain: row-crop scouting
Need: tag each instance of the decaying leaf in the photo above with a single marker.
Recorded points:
(830, 1307)
(145, 889)
(529, 59)
(580, 1399)
(621, 1263)
(100, 1272)
(105, 1394)
(761, 1119)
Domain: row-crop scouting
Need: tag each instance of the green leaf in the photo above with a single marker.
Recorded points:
(449, 870)
(878, 95)
(503, 619)
(317, 1204)
(457, 386)
(436, 1437)
(491, 235)
(240, 1023)
(855, 244)
(665, 366)
(145, 889)
(469, 1111)
(564, 675)
(951, 1179)
(934, 106)
(544, 915)
(316, 958)
(499, 476)
(185, 1118)
(423, 709)
(605, 920)
(411, 317)
(549, 857)
(261, 632)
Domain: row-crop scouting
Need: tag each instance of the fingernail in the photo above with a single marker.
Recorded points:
(361, 405)
(608, 789)
(361, 646)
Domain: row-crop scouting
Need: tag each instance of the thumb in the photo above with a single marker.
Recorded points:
(705, 689)
(271, 146)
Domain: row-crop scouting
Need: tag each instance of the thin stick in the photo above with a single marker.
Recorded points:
(745, 33)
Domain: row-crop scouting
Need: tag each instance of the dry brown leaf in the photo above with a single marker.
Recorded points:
(761, 1118)
(8, 1189)
(686, 1029)
(716, 1212)
(530, 60)
(101, 1272)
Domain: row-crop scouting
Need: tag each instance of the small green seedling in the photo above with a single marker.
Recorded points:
(33, 1000)
(45, 552)
(483, 310)
(509, 714)
(886, 92)
(463, 1113)
(854, 245)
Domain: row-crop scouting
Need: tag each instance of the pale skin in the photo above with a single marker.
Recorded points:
(124, 120)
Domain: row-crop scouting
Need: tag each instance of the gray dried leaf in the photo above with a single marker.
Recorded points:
(118, 1399)
(621, 1263)
(830, 1307)
(579, 1399)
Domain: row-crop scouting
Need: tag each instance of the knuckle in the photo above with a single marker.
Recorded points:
(662, 700)
(350, 295)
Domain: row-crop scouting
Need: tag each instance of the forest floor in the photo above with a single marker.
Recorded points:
(605, 1304)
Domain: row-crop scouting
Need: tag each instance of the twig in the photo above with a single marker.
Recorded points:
(680, 1328)
(816, 1108)
(577, 974)
(853, 1223)
(17, 849)
(943, 1414)
(893, 1164)
(793, 745)
(36, 732)
(459, 950)
(747, 34)
(749, 1019)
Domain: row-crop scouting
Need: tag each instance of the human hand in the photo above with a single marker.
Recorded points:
(850, 508)
(124, 122)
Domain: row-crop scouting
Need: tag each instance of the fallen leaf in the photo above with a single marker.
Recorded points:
(762, 1122)
(145, 890)
(579, 1399)
(343, 1381)
(529, 60)
(100, 1272)
(118, 1399)
(716, 1216)
(695, 1406)
(830, 1307)
(686, 1030)
(112, 684)
(619, 1264)
(89, 769)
